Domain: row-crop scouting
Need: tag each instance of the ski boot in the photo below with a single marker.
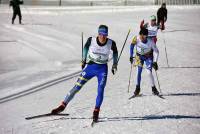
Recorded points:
(59, 109)
(96, 114)
(137, 90)
(155, 91)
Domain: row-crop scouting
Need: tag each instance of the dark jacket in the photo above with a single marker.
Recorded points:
(162, 14)
(15, 3)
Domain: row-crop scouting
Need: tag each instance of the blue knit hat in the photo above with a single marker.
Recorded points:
(103, 30)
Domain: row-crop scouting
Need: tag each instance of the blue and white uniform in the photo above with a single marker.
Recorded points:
(152, 31)
(96, 56)
(144, 52)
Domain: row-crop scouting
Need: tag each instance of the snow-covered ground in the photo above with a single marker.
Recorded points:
(48, 46)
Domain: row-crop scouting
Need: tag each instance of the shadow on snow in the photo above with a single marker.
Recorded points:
(182, 94)
(134, 118)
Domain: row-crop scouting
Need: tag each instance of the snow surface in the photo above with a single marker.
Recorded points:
(48, 46)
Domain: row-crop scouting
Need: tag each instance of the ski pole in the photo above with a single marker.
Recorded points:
(82, 44)
(165, 49)
(158, 81)
(130, 77)
(124, 44)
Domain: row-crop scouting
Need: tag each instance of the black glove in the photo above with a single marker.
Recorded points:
(131, 59)
(83, 63)
(114, 68)
(155, 65)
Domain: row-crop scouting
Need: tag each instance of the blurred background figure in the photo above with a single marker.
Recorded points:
(152, 28)
(162, 16)
(16, 10)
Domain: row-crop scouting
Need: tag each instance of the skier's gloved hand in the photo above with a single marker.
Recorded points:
(132, 59)
(142, 24)
(114, 68)
(155, 65)
(83, 63)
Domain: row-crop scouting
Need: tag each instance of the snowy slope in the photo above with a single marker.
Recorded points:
(49, 46)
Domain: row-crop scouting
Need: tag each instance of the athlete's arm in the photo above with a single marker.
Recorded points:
(86, 48)
(115, 52)
(134, 41)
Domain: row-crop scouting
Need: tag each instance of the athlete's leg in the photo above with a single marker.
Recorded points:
(140, 63)
(14, 15)
(154, 39)
(162, 25)
(148, 63)
(102, 79)
(86, 75)
(20, 16)
(139, 74)
(158, 21)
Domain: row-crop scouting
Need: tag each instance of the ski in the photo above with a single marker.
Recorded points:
(44, 115)
(160, 96)
(134, 96)
(140, 95)
(93, 123)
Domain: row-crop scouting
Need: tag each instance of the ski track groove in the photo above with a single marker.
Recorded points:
(38, 87)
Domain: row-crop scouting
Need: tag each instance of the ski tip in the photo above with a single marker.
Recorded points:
(38, 116)
(131, 97)
(45, 115)
(93, 123)
(27, 118)
(161, 96)
(134, 96)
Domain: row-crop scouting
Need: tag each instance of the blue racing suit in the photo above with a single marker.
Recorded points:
(145, 52)
(94, 68)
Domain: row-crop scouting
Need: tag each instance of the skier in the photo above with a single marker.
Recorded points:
(95, 57)
(16, 10)
(152, 28)
(162, 16)
(144, 50)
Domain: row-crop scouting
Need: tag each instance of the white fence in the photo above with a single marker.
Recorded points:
(177, 2)
(105, 2)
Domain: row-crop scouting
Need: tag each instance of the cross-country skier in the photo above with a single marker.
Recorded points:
(152, 28)
(162, 16)
(95, 57)
(144, 50)
(16, 10)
